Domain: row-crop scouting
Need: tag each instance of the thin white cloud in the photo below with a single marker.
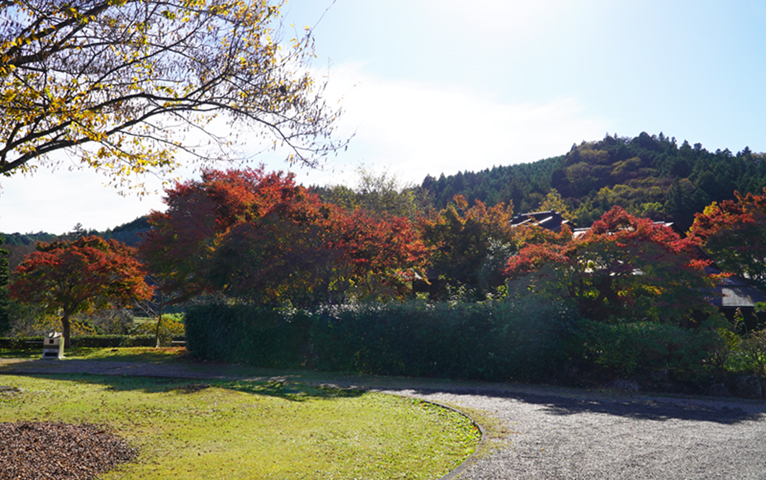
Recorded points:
(419, 129)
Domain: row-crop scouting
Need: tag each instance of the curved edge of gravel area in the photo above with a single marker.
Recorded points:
(479, 448)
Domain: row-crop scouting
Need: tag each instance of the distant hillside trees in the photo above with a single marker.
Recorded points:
(647, 175)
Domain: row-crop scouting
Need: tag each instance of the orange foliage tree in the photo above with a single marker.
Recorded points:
(733, 233)
(80, 276)
(624, 266)
(260, 237)
(461, 238)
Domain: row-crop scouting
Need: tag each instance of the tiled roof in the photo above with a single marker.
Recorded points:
(550, 219)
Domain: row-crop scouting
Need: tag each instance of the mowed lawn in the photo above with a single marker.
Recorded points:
(192, 430)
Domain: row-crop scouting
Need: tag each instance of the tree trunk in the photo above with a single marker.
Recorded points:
(66, 327)
(159, 322)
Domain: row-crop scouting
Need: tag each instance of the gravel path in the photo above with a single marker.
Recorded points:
(551, 433)
(569, 436)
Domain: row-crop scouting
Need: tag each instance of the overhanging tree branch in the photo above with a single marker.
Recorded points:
(96, 78)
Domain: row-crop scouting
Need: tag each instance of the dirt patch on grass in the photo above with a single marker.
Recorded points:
(50, 450)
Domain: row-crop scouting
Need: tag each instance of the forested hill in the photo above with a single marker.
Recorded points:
(648, 175)
(128, 233)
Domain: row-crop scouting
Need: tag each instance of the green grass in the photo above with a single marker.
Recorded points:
(251, 429)
(131, 354)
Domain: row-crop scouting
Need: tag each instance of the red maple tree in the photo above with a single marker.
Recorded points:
(623, 266)
(259, 236)
(69, 277)
(733, 233)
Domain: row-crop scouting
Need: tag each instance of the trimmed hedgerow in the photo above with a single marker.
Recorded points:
(247, 335)
(623, 348)
(506, 340)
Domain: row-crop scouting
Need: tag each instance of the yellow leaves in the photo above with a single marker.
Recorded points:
(183, 60)
(710, 209)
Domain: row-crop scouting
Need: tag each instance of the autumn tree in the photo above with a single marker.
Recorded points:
(124, 85)
(200, 214)
(733, 233)
(87, 274)
(623, 266)
(380, 254)
(460, 237)
(260, 237)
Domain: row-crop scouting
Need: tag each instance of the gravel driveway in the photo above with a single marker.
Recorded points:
(551, 433)
(569, 435)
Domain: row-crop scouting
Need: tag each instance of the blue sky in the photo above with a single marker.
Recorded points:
(441, 86)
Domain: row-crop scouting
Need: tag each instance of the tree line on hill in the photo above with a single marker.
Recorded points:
(648, 175)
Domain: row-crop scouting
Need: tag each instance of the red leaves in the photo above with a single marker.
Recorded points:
(81, 275)
(387, 247)
(620, 260)
(260, 236)
(734, 234)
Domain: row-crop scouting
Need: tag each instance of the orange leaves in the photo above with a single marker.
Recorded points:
(459, 237)
(257, 235)
(733, 233)
(622, 262)
(79, 276)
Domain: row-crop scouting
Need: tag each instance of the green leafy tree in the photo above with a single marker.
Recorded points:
(118, 82)
(553, 201)
(379, 194)
(84, 275)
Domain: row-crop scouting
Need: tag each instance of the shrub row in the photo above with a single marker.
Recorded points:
(87, 341)
(524, 339)
(247, 335)
(509, 340)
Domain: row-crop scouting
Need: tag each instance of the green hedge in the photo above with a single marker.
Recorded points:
(247, 335)
(509, 340)
(86, 341)
(628, 348)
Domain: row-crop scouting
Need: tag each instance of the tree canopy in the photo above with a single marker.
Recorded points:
(623, 266)
(461, 239)
(124, 85)
(260, 237)
(80, 276)
(733, 233)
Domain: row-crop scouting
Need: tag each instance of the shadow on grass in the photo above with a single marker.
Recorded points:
(301, 385)
(122, 354)
(281, 388)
